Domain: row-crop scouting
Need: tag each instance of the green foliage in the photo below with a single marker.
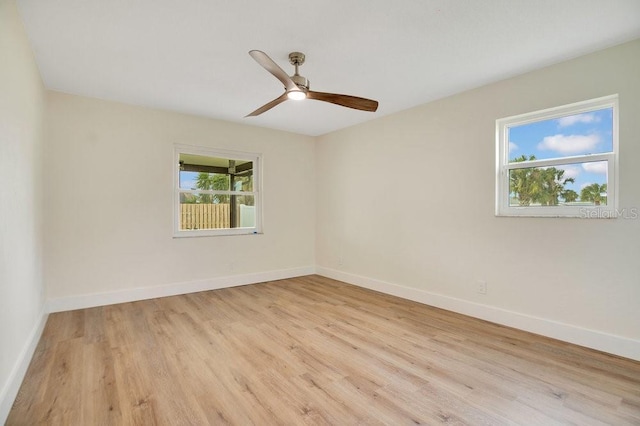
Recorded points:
(595, 193)
(188, 199)
(522, 183)
(212, 181)
(222, 182)
(542, 186)
(546, 186)
(569, 195)
(553, 182)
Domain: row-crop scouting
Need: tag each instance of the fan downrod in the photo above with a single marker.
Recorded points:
(296, 59)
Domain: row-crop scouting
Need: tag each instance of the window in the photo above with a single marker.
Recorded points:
(216, 192)
(559, 162)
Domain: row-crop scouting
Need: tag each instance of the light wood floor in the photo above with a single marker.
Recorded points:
(311, 350)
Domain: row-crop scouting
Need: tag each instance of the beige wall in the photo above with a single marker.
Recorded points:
(109, 200)
(406, 204)
(21, 289)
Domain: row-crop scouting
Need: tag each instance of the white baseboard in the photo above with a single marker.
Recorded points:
(143, 293)
(12, 385)
(617, 345)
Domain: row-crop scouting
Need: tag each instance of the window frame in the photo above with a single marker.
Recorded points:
(256, 158)
(503, 166)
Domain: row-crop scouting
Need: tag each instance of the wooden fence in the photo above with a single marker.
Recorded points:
(204, 216)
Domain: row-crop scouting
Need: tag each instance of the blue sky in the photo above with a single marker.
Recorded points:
(579, 134)
(188, 180)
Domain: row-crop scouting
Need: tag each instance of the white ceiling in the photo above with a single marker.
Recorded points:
(192, 56)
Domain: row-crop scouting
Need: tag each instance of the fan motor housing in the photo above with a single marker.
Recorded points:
(300, 81)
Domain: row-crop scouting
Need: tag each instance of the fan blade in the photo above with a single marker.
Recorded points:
(344, 100)
(268, 106)
(267, 63)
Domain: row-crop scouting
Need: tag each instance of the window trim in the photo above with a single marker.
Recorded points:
(219, 153)
(503, 166)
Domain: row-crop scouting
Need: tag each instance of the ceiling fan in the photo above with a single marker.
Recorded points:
(297, 87)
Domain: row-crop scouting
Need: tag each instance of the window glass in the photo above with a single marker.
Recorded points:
(216, 193)
(558, 162)
(583, 184)
(576, 134)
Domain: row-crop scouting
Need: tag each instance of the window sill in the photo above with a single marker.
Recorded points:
(215, 233)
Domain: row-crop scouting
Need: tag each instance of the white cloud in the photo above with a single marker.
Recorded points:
(570, 171)
(599, 167)
(570, 144)
(578, 118)
(513, 146)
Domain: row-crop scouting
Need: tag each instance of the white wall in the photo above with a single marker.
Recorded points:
(405, 204)
(109, 205)
(21, 288)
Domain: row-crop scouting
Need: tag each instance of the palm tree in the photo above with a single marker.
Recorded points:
(595, 193)
(522, 182)
(212, 181)
(569, 195)
(552, 182)
(543, 186)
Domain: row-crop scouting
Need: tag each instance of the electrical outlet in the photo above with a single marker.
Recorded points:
(482, 287)
(340, 261)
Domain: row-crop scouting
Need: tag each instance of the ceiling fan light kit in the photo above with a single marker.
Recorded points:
(296, 95)
(296, 87)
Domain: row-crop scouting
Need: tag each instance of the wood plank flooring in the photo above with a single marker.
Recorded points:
(311, 350)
